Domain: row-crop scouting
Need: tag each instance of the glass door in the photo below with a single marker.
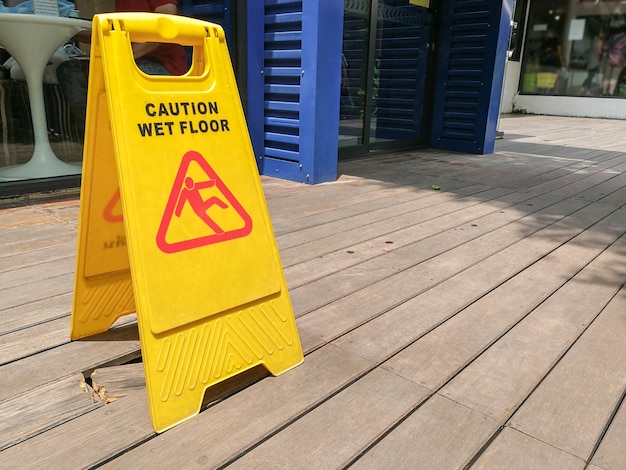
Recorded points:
(385, 62)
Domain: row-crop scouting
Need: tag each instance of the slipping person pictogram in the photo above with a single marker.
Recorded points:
(187, 191)
(191, 193)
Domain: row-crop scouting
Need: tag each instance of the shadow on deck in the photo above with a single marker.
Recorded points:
(455, 310)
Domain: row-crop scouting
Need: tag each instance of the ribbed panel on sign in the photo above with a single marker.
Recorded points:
(201, 355)
(111, 297)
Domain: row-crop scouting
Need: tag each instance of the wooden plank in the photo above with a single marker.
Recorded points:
(37, 213)
(513, 450)
(115, 382)
(530, 168)
(18, 217)
(53, 197)
(33, 313)
(39, 410)
(28, 274)
(444, 351)
(348, 313)
(559, 172)
(116, 346)
(482, 238)
(313, 199)
(48, 253)
(573, 183)
(571, 407)
(355, 196)
(440, 434)
(603, 175)
(558, 130)
(87, 440)
(54, 284)
(338, 430)
(386, 197)
(321, 257)
(250, 416)
(612, 452)
(36, 217)
(610, 191)
(97, 436)
(415, 171)
(33, 220)
(25, 342)
(422, 205)
(17, 242)
(235, 424)
(325, 213)
(65, 204)
(492, 385)
(556, 152)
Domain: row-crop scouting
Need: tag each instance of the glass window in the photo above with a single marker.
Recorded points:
(575, 48)
(41, 128)
(385, 61)
(41, 137)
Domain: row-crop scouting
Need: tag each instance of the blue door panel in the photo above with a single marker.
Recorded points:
(471, 57)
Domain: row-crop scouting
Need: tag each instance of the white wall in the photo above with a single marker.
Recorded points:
(512, 73)
(612, 108)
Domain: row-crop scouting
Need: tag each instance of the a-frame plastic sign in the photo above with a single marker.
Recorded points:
(173, 220)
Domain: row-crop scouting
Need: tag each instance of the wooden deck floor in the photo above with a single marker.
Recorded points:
(481, 325)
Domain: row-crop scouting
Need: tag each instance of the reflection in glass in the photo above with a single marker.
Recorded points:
(575, 48)
(354, 73)
(383, 72)
(396, 109)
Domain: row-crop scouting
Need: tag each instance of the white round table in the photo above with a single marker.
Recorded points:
(31, 40)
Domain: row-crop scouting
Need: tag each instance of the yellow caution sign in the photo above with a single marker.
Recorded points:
(173, 221)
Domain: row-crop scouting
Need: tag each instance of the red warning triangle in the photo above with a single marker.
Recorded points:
(190, 193)
(113, 210)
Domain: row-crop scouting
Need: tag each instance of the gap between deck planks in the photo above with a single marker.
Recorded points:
(419, 243)
(579, 386)
(394, 290)
(611, 452)
(44, 408)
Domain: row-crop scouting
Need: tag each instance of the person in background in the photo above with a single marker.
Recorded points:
(551, 61)
(151, 58)
(614, 61)
(156, 58)
(593, 62)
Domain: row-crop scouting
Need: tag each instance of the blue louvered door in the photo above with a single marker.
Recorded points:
(472, 45)
(282, 73)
